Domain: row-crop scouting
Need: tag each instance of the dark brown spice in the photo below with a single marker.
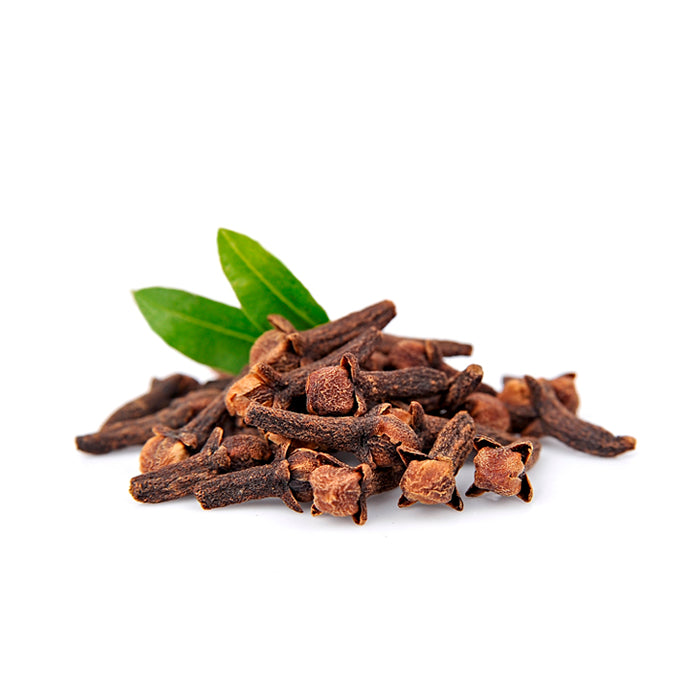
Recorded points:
(431, 479)
(517, 398)
(407, 353)
(264, 385)
(287, 477)
(399, 352)
(168, 444)
(392, 402)
(284, 348)
(346, 388)
(218, 455)
(264, 481)
(159, 396)
(180, 479)
(334, 434)
(344, 491)
(501, 468)
(562, 424)
(488, 410)
(462, 386)
(137, 431)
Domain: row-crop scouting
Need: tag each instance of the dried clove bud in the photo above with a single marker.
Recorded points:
(336, 491)
(287, 477)
(501, 468)
(137, 431)
(393, 402)
(180, 479)
(517, 398)
(284, 348)
(562, 424)
(346, 388)
(273, 348)
(263, 384)
(334, 434)
(343, 491)
(431, 479)
(171, 445)
(462, 386)
(315, 343)
(406, 353)
(160, 395)
(488, 410)
(216, 456)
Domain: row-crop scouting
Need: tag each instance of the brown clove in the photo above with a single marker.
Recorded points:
(346, 388)
(562, 424)
(430, 479)
(501, 468)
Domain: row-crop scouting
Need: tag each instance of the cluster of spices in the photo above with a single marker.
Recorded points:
(336, 414)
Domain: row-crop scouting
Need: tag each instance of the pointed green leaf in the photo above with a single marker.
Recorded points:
(207, 331)
(264, 285)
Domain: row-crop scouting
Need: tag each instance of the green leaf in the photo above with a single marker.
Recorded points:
(207, 331)
(264, 285)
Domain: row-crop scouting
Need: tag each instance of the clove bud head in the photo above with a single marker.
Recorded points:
(337, 490)
(429, 481)
(330, 392)
(161, 451)
(499, 470)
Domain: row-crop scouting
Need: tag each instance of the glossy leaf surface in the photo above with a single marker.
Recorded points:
(264, 285)
(204, 330)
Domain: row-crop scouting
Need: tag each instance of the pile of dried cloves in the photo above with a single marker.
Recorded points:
(340, 412)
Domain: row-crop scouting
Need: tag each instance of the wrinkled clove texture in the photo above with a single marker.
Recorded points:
(161, 393)
(333, 434)
(431, 480)
(566, 427)
(346, 388)
(137, 431)
(263, 384)
(178, 480)
(501, 468)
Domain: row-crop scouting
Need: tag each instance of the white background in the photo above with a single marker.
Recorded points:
(519, 175)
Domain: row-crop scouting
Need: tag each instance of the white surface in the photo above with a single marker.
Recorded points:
(523, 176)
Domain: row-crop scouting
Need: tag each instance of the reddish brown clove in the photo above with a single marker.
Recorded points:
(284, 348)
(263, 384)
(159, 396)
(180, 479)
(563, 425)
(171, 445)
(501, 468)
(344, 491)
(517, 398)
(406, 353)
(488, 410)
(216, 456)
(139, 430)
(287, 477)
(431, 479)
(334, 434)
(346, 388)
(462, 386)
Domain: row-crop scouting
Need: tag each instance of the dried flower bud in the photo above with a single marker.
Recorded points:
(336, 490)
(501, 468)
(161, 451)
(430, 481)
(330, 391)
(488, 410)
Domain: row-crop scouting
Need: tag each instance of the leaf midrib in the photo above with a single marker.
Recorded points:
(204, 324)
(282, 298)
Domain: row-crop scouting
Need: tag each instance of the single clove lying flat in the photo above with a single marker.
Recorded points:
(335, 415)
